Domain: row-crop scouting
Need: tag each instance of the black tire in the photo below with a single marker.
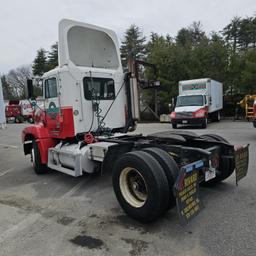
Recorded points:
(31, 120)
(170, 168)
(217, 119)
(254, 123)
(154, 180)
(174, 126)
(215, 116)
(39, 168)
(204, 124)
(19, 119)
(226, 165)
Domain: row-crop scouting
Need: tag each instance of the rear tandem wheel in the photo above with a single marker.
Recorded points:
(170, 168)
(141, 186)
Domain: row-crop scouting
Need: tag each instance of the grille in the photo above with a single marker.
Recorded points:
(184, 114)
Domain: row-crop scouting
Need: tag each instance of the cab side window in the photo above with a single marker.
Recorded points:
(50, 88)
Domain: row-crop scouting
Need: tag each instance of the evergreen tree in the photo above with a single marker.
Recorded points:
(52, 58)
(39, 66)
(133, 44)
(248, 75)
(231, 32)
(184, 37)
(191, 35)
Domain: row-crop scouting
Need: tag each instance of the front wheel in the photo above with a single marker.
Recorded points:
(204, 124)
(141, 186)
(39, 168)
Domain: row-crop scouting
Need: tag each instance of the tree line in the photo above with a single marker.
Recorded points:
(228, 56)
(14, 83)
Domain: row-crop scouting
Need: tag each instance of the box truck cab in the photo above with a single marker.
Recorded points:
(198, 100)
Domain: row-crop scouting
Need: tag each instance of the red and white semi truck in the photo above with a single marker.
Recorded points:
(90, 105)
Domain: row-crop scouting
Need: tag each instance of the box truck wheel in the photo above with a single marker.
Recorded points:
(19, 119)
(227, 166)
(204, 124)
(174, 126)
(16, 120)
(31, 120)
(141, 186)
(216, 116)
(170, 168)
(39, 168)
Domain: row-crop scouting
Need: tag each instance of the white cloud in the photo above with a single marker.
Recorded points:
(25, 26)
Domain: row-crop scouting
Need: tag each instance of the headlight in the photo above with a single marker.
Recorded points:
(200, 113)
(173, 115)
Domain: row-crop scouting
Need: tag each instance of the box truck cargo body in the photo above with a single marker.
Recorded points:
(198, 100)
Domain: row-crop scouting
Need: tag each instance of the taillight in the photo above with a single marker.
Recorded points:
(200, 113)
(173, 115)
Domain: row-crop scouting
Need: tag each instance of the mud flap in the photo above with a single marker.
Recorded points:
(241, 162)
(186, 190)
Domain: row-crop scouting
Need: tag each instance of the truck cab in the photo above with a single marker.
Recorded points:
(198, 100)
(190, 109)
(82, 78)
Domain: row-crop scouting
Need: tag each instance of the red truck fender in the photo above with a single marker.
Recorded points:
(41, 135)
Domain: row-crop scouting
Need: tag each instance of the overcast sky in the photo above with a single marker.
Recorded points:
(27, 25)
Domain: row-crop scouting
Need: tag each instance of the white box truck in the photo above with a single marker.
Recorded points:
(198, 100)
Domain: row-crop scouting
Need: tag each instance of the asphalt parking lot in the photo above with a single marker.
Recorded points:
(55, 214)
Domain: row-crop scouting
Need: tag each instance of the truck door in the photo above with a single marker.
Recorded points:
(52, 106)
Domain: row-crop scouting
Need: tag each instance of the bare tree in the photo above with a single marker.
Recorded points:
(17, 79)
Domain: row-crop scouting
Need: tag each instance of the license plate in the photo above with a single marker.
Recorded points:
(184, 121)
(210, 174)
(241, 162)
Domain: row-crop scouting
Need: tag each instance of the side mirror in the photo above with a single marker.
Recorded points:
(30, 88)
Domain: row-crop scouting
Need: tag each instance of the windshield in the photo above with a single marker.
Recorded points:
(192, 100)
